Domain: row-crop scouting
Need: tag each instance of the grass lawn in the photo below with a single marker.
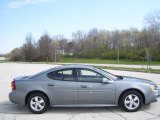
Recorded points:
(131, 69)
(102, 61)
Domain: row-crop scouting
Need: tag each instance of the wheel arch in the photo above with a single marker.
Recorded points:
(36, 91)
(131, 89)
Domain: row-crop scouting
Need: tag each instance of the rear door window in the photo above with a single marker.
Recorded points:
(64, 74)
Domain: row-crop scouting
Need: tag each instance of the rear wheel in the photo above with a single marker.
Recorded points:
(131, 101)
(37, 103)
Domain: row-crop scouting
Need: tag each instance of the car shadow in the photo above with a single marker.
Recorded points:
(7, 107)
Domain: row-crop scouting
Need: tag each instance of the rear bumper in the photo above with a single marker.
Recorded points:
(17, 97)
(11, 97)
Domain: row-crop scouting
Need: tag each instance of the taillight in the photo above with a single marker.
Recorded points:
(13, 86)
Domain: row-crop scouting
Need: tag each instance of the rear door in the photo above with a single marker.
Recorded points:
(92, 90)
(62, 86)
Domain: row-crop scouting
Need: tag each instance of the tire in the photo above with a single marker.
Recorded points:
(131, 101)
(37, 103)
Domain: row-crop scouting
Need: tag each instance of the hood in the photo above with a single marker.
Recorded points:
(133, 79)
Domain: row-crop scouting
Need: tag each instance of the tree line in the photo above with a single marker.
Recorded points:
(131, 44)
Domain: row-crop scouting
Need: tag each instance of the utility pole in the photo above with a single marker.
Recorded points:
(56, 52)
(118, 50)
(55, 55)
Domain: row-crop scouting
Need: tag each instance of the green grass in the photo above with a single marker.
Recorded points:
(131, 69)
(2, 61)
(99, 61)
(102, 61)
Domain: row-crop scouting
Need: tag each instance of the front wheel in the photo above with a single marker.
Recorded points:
(131, 101)
(37, 103)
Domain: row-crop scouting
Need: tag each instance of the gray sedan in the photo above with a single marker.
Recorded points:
(79, 86)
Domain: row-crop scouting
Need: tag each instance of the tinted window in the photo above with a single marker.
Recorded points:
(50, 75)
(65, 74)
(86, 75)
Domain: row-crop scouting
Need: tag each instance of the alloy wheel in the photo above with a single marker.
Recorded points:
(37, 103)
(131, 101)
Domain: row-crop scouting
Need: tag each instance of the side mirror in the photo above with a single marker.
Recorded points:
(106, 81)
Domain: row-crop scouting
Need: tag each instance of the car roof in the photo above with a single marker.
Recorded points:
(63, 67)
(74, 66)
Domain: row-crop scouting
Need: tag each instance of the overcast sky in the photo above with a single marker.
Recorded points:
(19, 17)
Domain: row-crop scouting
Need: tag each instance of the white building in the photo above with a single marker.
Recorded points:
(2, 58)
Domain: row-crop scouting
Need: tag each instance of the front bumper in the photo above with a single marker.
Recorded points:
(158, 96)
(152, 96)
(17, 97)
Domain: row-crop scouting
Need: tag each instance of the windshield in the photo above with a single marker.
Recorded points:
(110, 75)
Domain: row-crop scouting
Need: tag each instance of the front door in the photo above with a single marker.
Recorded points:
(92, 90)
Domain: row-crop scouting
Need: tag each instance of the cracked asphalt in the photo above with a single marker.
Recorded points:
(10, 111)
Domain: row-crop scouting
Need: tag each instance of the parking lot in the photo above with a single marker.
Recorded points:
(10, 111)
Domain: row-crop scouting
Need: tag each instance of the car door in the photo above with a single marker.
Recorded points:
(62, 87)
(92, 90)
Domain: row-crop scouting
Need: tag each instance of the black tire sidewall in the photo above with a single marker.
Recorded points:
(43, 97)
(128, 93)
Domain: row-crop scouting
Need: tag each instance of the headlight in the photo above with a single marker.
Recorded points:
(153, 87)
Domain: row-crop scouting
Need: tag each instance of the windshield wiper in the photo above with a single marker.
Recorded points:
(119, 77)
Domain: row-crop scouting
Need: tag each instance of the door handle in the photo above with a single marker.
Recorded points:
(50, 84)
(83, 86)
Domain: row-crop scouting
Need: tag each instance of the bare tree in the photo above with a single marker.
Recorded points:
(148, 58)
(45, 47)
(79, 40)
(61, 43)
(153, 20)
(29, 47)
